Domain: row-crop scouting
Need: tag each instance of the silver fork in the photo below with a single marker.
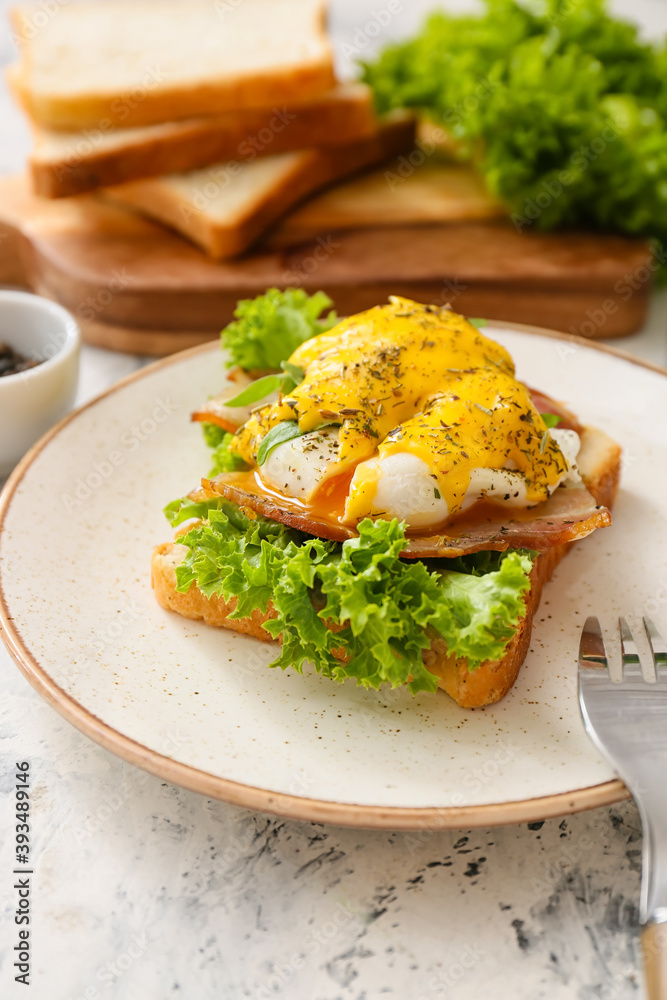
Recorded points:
(627, 720)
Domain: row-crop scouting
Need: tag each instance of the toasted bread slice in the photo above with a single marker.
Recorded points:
(139, 62)
(69, 163)
(226, 207)
(599, 463)
(433, 192)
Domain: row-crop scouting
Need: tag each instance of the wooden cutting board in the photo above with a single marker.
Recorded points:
(135, 286)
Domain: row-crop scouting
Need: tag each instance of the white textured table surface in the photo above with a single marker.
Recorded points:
(143, 890)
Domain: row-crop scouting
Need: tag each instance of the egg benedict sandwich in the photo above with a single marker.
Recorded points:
(388, 504)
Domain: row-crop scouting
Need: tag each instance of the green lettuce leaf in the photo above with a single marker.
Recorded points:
(268, 329)
(559, 105)
(184, 509)
(218, 440)
(386, 608)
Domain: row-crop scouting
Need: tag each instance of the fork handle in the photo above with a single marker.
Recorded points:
(654, 947)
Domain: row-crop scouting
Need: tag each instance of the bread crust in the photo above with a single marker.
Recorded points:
(65, 113)
(66, 164)
(599, 463)
(224, 237)
(164, 102)
(212, 610)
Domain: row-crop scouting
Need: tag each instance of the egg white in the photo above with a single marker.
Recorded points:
(569, 443)
(298, 467)
(405, 487)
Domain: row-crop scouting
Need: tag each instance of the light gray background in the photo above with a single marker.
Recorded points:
(143, 890)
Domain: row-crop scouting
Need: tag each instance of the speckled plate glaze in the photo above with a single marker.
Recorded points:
(198, 706)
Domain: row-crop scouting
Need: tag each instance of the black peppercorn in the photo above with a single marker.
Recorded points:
(12, 363)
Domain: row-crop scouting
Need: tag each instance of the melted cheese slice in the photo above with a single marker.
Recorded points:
(406, 406)
(485, 419)
(373, 371)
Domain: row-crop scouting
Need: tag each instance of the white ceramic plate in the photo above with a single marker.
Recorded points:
(198, 706)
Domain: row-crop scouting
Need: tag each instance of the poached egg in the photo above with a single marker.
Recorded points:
(408, 411)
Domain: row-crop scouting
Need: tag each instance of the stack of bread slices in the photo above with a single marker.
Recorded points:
(214, 117)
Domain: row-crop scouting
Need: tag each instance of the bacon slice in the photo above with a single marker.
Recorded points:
(232, 486)
(545, 404)
(571, 512)
(209, 416)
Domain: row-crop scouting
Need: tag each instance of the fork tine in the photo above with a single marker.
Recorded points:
(592, 651)
(626, 722)
(635, 667)
(658, 648)
(629, 652)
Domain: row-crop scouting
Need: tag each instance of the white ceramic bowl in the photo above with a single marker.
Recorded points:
(32, 401)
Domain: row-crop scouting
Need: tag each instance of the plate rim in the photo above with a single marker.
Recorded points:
(417, 818)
